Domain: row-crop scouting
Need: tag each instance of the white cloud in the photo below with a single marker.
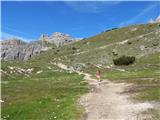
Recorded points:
(10, 29)
(151, 21)
(5, 35)
(136, 18)
(157, 20)
(90, 6)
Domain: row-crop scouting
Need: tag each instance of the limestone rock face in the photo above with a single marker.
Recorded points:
(60, 39)
(57, 38)
(13, 48)
(44, 38)
(23, 51)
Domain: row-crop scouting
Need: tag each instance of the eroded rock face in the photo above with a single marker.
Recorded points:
(57, 38)
(44, 38)
(12, 50)
(61, 39)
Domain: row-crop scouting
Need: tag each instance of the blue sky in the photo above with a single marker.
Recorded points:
(28, 20)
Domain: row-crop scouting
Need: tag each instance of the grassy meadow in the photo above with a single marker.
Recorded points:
(45, 96)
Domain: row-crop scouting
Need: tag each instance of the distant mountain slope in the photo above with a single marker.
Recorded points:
(100, 50)
(19, 50)
(15, 49)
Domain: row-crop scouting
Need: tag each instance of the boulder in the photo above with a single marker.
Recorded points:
(79, 66)
(115, 52)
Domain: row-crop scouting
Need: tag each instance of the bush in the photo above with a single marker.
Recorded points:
(124, 60)
(129, 42)
(74, 48)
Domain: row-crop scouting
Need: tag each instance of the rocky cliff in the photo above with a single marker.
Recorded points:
(12, 49)
(57, 38)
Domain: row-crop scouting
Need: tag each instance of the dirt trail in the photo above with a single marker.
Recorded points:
(105, 102)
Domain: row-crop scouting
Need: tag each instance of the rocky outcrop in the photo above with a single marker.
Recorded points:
(21, 51)
(44, 38)
(78, 66)
(13, 48)
(57, 38)
(61, 39)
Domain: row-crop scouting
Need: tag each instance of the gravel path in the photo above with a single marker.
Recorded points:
(105, 102)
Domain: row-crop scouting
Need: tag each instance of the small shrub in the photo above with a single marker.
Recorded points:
(74, 48)
(155, 44)
(129, 42)
(124, 60)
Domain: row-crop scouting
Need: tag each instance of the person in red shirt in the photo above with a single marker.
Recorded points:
(98, 75)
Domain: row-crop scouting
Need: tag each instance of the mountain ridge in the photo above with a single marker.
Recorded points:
(105, 38)
(14, 48)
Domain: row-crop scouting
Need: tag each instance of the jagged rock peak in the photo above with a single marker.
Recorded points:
(44, 38)
(60, 34)
(61, 39)
(57, 38)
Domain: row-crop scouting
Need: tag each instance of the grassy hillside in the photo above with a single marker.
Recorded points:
(33, 87)
(137, 40)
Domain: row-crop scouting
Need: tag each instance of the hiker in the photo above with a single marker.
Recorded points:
(98, 75)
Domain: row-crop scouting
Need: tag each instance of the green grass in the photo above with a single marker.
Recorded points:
(149, 94)
(129, 75)
(146, 85)
(93, 54)
(47, 96)
(154, 114)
